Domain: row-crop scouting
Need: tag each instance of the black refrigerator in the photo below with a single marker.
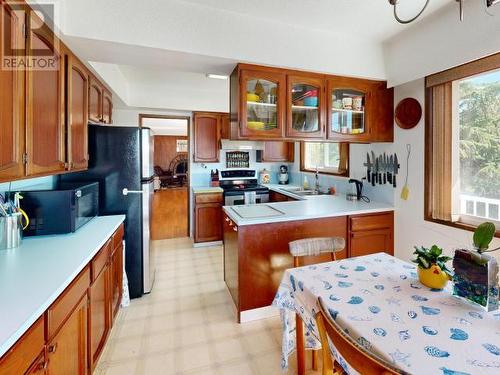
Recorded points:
(121, 160)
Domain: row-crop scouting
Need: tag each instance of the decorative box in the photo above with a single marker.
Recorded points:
(476, 278)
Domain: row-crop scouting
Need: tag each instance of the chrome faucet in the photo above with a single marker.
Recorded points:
(316, 176)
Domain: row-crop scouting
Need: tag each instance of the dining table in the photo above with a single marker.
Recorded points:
(378, 300)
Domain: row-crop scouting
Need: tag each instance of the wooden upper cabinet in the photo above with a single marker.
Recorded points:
(67, 351)
(277, 151)
(107, 107)
(96, 92)
(305, 107)
(46, 105)
(207, 137)
(262, 100)
(359, 110)
(77, 117)
(12, 100)
(225, 126)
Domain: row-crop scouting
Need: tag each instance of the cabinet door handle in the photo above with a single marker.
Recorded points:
(52, 348)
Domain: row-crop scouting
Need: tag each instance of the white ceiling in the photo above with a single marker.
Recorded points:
(156, 53)
(370, 19)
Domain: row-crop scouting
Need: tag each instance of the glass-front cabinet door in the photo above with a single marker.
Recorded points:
(305, 107)
(348, 101)
(262, 100)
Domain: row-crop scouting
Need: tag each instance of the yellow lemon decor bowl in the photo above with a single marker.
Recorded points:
(433, 277)
(255, 125)
(252, 97)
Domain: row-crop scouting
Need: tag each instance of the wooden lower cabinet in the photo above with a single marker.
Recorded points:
(274, 196)
(371, 233)
(208, 217)
(24, 356)
(99, 323)
(67, 351)
(38, 367)
(70, 335)
(116, 273)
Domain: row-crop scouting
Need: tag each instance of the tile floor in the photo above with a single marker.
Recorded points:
(187, 324)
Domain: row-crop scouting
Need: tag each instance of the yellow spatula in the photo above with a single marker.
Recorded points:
(405, 192)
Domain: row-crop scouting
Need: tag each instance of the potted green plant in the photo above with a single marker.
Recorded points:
(432, 270)
(476, 273)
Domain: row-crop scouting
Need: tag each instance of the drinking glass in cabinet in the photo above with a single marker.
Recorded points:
(262, 98)
(305, 108)
(348, 111)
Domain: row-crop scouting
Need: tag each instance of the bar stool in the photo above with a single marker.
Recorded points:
(301, 250)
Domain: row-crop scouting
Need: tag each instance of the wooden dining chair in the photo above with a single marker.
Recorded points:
(358, 357)
(308, 251)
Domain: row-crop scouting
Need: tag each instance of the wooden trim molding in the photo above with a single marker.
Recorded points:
(344, 150)
(485, 64)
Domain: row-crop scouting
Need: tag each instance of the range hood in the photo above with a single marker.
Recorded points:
(241, 145)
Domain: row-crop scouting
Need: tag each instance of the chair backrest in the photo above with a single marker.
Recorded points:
(357, 356)
(310, 247)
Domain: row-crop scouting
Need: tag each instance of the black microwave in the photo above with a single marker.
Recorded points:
(62, 210)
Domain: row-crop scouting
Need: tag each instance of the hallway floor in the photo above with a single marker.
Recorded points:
(187, 324)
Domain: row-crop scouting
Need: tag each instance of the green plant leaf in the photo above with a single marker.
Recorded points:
(483, 235)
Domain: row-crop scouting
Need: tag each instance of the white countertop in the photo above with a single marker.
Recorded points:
(313, 207)
(206, 189)
(33, 275)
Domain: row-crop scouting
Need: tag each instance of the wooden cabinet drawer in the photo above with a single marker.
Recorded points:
(118, 237)
(208, 198)
(371, 242)
(371, 222)
(25, 351)
(101, 259)
(62, 307)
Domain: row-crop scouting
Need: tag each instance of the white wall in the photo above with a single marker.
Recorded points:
(441, 41)
(410, 227)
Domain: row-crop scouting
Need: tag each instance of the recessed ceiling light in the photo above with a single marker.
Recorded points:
(217, 76)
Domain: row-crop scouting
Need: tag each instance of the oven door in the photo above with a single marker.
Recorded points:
(239, 199)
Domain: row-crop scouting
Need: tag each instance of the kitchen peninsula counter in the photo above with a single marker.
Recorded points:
(256, 239)
(310, 207)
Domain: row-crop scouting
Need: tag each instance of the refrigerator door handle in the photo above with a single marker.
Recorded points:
(126, 191)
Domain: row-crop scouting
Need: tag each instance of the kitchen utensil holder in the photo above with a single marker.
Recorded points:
(11, 232)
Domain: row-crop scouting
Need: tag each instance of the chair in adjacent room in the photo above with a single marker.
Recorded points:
(302, 251)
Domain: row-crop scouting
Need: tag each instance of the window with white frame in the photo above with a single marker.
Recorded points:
(476, 148)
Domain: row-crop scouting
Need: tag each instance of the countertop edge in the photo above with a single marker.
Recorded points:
(278, 219)
(12, 340)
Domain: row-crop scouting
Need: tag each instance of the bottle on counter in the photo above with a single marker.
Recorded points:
(305, 184)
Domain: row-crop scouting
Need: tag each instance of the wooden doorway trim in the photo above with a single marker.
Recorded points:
(142, 116)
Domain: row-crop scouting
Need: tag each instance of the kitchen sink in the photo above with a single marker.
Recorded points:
(301, 191)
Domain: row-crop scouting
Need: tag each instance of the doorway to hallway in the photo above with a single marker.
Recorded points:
(170, 212)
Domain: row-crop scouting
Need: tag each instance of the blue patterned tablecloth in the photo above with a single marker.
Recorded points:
(380, 302)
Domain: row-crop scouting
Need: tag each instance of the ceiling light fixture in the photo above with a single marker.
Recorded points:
(217, 76)
(395, 2)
